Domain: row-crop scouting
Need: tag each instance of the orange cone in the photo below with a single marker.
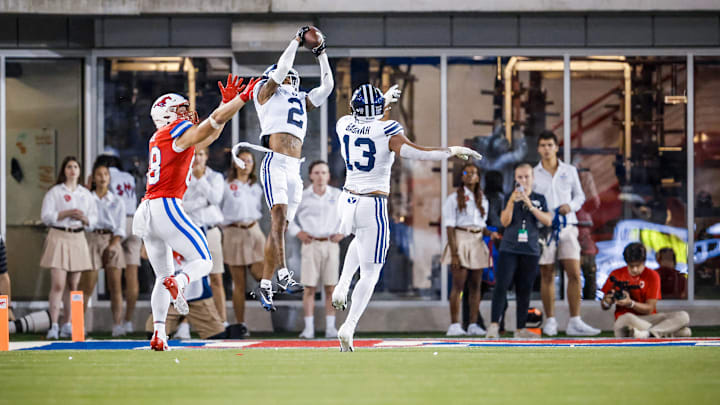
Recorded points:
(77, 316)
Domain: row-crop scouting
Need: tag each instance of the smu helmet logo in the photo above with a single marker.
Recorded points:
(161, 103)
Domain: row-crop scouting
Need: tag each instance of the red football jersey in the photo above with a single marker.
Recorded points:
(649, 283)
(168, 171)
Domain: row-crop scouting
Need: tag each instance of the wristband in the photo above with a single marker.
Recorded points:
(214, 123)
(632, 304)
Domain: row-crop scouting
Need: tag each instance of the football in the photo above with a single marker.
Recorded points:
(313, 38)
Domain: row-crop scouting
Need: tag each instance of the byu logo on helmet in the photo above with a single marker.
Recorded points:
(292, 74)
(367, 102)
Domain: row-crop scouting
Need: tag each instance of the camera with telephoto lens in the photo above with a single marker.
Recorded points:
(620, 287)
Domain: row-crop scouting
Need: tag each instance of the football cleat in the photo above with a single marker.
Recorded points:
(339, 298)
(265, 297)
(178, 298)
(345, 336)
(288, 285)
(159, 344)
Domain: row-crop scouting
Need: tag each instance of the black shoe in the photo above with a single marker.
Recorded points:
(289, 285)
(265, 298)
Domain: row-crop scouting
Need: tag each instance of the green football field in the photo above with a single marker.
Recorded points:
(496, 375)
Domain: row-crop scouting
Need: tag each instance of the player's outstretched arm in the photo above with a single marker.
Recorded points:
(277, 77)
(318, 95)
(209, 130)
(408, 150)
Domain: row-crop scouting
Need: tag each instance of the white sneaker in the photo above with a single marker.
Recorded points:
(345, 336)
(576, 327)
(307, 334)
(182, 332)
(331, 332)
(455, 329)
(66, 330)
(475, 330)
(52, 332)
(493, 331)
(339, 298)
(525, 334)
(118, 330)
(640, 334)
(128, 327)
(550, 327)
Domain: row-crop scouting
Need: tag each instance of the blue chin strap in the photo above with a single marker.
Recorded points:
(557, 225)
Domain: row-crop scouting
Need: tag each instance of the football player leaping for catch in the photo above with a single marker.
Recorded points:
(160, 219)
(368, 146)
(282, 110)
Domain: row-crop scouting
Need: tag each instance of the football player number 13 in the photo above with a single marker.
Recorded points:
(368, 149)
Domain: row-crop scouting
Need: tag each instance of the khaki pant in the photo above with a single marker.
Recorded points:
(214, 239)
(203, 317)
(662, 324)
(319, 263)
(567, 247)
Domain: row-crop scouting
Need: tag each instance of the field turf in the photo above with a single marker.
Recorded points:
(496, 375)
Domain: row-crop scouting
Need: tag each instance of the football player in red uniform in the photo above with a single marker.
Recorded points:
(160, 219)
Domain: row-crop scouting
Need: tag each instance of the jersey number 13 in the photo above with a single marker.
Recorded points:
(367, 146)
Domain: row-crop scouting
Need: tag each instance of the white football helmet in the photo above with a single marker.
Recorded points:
(292, 74)
(164, 110)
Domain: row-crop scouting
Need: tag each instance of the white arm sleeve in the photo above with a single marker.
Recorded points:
(285, 63)
(319, 94)
(408, 152)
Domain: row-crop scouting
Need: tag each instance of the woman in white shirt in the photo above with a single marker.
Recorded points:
(67, 208)
(202, 203)
(466, 251)
(105, 242)
(243, 240)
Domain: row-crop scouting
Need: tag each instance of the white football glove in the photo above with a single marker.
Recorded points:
(464, 153)
(239, 162)
(392, 95)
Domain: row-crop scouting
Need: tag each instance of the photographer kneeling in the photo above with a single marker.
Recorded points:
(635, 291)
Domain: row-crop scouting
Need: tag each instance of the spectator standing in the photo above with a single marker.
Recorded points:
(560, 184)
(464, 213)
(67, 209)
(123, 184)
(588, 247)
(243, 240)
(635, 313)
(105, 243)
(202, 203)
(316, 223)
(524, 211)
